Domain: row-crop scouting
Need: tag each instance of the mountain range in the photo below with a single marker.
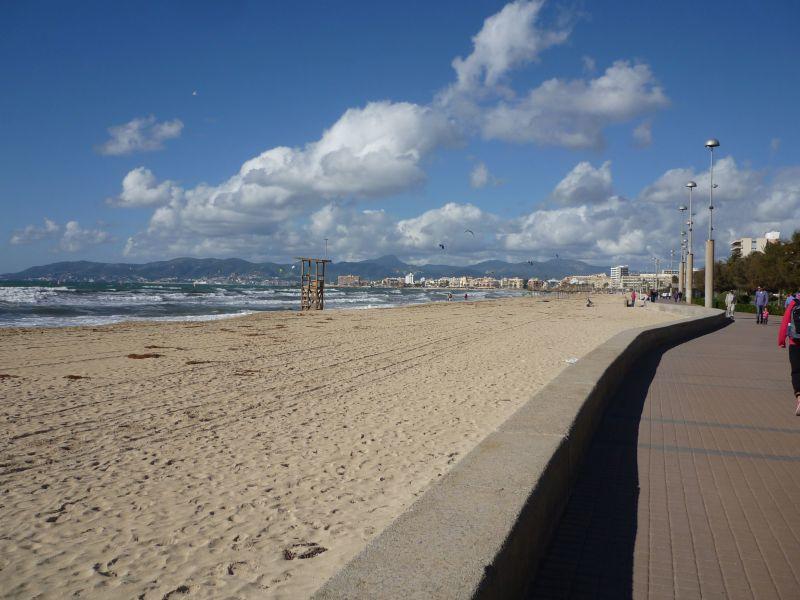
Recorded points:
(188, 269)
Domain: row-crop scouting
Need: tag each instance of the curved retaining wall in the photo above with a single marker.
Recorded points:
(481, 531)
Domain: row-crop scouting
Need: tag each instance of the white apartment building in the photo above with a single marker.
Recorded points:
(598, 281)
(747, 245)
(617, 273)
(410, 279)
(512, 282)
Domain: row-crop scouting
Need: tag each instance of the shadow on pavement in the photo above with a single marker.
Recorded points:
(591, 554)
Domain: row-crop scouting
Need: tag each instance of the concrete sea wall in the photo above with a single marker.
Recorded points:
(481, 530)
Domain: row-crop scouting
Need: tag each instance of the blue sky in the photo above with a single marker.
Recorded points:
(541, 111)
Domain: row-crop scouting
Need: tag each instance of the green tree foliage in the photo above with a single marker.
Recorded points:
(777, 269)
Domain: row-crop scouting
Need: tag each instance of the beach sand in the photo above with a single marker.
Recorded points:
(232, 446)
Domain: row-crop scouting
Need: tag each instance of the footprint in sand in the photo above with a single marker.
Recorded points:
(303, 550)
(105, 571)
(181, 589)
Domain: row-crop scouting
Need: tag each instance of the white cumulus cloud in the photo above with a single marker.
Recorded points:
(76, 237)
(280, 197)
(32, 233)
(140, 188)
(142, 134)
(583, 217)
(507, 40)
(71, 237)
(643, 134)
(480, 176)
(575, 113)
(369, 152)
(584, 184)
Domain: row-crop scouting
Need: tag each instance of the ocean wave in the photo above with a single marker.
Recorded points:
(101, 303)
(29, 294)
(93, 321)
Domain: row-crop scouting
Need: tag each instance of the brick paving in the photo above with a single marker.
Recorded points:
(691, 488)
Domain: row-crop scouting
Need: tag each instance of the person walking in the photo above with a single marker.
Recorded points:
(730, 304)
(761, 303)
(789, 299)
(790, 328)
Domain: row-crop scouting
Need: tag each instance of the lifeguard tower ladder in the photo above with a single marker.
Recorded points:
(312, 283)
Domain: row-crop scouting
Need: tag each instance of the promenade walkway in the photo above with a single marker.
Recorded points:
(692, 486)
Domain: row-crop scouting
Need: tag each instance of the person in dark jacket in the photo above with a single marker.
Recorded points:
(794, 349)
(762, 298)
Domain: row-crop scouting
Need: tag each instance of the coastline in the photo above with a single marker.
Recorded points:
(94, 305)
(244, 439)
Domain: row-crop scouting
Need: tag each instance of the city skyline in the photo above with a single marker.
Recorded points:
(511, 131)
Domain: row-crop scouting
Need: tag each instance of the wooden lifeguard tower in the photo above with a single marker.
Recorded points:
(312, 283)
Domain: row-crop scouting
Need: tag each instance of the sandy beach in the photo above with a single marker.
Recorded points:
(253, 457)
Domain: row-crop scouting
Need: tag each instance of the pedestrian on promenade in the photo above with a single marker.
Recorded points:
(790, 328)
(633, 298)
(730, 304)
(762, 297)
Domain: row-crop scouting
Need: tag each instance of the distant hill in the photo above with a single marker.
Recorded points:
(188, 269)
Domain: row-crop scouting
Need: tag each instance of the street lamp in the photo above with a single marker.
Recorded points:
(682, 262)
(671, 268)
(690, 257)
(710, 144)
(656, 282)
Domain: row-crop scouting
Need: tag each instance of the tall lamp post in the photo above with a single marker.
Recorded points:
(710, 144)
(682, 262)
(671, 268)
(690, 257)
(656, 281)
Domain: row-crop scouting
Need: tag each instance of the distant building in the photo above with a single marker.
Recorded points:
(535, 284)
(632, 282)
(515, 283)
(409, 279)
(663, 279)
(747, 245)
(617, 273)
(393, 282)
(482, 282)
(348, 280)
(598, 281)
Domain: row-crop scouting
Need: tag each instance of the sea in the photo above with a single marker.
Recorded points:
(23, 304)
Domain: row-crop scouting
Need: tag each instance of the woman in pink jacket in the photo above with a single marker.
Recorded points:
(794, 349)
